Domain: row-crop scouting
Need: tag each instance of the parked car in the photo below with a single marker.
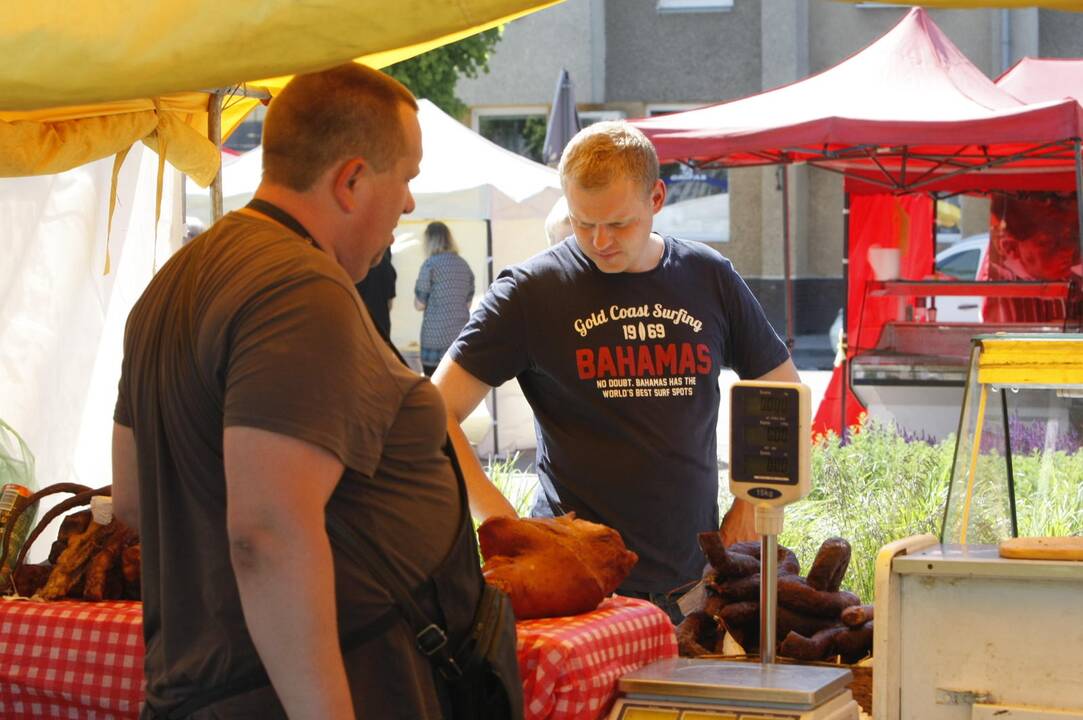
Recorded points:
(960, 261)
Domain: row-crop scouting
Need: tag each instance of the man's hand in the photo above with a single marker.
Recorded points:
(739, 525)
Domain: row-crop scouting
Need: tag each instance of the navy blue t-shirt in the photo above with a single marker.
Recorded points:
(621, 371)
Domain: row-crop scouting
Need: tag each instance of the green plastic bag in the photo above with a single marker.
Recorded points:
(16, 485)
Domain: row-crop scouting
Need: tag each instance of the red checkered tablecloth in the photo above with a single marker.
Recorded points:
(570, 666)
(70, 660)
(84, 661)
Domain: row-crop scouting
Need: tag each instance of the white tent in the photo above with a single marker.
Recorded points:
(62, 318)
(495, 203)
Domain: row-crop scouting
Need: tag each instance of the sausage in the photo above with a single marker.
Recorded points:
(696, 633)
(857, 615)
(830, 565)
(855, 643)
(738, 590)
(742, 621)
(787, 561)
(797, 594)
(817, 647)
(726, 564)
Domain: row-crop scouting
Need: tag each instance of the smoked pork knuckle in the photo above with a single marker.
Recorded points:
(552, 567)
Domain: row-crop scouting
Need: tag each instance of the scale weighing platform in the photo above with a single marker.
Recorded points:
(769, 467)
(694, 689)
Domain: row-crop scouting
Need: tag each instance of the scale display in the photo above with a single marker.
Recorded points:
(769, 437)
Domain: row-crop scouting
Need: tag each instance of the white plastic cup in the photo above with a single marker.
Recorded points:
(885, 263)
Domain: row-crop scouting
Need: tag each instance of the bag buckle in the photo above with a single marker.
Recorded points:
(431, 640)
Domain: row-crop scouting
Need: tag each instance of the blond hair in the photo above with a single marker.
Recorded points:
(438, 239)
(605, 151)
(320, 119)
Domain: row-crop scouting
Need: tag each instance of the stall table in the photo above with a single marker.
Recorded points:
(84, 661)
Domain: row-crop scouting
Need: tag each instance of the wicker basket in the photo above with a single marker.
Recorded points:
(860, 686)
(81, 495)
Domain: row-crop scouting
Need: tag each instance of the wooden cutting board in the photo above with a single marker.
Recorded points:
(1043, 548)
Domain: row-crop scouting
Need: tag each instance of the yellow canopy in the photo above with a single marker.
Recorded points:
(93, 77)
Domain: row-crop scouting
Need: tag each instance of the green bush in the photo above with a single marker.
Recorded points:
(876, 488)
(518, 487)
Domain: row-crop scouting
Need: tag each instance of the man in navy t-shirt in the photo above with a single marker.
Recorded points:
(617, 336)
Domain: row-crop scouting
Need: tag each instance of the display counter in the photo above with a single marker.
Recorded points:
(84, 660)
(913, 372)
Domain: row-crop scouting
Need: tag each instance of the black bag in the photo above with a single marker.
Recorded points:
(487, 690)
(482, 674)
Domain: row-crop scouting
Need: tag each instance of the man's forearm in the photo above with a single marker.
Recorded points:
(286, 581)
(486, 500)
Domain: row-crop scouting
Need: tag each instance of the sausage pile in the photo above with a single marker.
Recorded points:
(816, 620)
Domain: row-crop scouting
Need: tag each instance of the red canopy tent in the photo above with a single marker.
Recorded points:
(1036, 80)
(908, 114)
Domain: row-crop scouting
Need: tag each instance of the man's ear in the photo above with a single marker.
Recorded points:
(658, 196)
(345, 180)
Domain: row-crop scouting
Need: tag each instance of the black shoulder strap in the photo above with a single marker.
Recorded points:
(279, 215)
(431, 638)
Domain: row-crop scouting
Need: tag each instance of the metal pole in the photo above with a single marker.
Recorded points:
(936, 209)
(214, 134)
(1079, 191)
(489, 281)
(768, 596)
(843, 340)
(786, 270)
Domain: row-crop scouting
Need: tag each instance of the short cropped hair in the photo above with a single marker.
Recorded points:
(438, 239)
(320, 119)
(607, 150)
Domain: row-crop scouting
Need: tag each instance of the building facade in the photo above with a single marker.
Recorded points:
(633, 58)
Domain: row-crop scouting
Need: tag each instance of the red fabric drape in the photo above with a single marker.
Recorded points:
(887, 221)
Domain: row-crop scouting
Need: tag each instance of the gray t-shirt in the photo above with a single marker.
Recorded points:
(249, 325)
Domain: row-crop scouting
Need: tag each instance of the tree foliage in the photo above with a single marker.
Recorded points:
(434, 75)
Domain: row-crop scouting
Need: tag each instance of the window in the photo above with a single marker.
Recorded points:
(589, 117)
(962, 265)
(519, 129)
(249, 133)
(692, 6)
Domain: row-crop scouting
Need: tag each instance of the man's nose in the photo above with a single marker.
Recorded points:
(601, 238)
(410, 204)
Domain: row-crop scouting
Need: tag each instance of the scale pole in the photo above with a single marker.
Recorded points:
(768, 596)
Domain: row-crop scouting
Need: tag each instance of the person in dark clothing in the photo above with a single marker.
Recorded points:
(377, 290)
(616, 336)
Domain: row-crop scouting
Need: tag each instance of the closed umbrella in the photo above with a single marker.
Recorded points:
(563, 120)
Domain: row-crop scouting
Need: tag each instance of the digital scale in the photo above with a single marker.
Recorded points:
(770, 436)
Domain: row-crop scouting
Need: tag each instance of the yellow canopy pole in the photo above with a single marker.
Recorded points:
(214, 134)
(974, 451)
